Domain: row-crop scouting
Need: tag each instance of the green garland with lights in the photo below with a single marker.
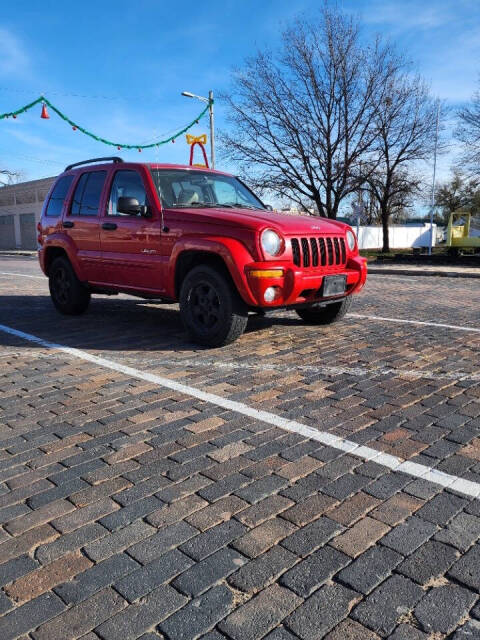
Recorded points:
(75, 126)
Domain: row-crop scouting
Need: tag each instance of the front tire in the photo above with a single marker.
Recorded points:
(68, 294)
(211, 310)
(326, 315)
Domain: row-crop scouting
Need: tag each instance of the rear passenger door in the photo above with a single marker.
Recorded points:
(82, 223)
(131, 243)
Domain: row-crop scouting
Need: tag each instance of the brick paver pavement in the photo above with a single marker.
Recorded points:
(128, 510)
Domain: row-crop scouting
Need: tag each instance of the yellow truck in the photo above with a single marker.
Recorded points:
(462, 236)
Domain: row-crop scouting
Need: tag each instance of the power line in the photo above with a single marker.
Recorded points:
(69, 95)
(75, 126)
(31, 158)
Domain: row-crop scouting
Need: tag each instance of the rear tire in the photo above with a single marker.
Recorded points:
(326, 315)
(68, 294)
(211, 310)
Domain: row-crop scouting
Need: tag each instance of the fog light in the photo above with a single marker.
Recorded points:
(270, 294)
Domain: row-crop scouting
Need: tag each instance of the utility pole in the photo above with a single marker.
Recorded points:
(432, 204)
(212, 130)
(208, 101)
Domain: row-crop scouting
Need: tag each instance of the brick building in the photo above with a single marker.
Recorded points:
(20, 209)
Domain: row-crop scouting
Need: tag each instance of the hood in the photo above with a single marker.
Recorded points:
(285, 223)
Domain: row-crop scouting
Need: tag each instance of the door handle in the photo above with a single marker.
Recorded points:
(109, 226)
(68, 224)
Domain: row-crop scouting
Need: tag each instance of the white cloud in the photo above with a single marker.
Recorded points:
(408, 14)
(13, 57)
(441, 37)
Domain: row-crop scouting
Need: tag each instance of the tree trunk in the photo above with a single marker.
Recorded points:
(318, 203)
(333, 210)
(386, 241)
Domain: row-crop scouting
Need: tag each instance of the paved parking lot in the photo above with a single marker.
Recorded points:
(303, 482)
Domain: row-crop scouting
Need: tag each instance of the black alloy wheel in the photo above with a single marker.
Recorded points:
(211, 309)
(205, 304)
(61, 285)
(68, 294)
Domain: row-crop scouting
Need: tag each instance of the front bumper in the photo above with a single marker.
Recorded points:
(296, 286)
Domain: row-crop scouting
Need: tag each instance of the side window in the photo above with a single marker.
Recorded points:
(59, 193)
(126, 184)
(88, 191)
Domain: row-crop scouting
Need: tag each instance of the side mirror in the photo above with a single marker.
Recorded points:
(269, 207)
(129, 206)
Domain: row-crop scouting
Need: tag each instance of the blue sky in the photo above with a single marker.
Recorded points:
(118, 67)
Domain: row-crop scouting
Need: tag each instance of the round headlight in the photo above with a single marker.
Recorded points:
(350, 239)
(271, 242)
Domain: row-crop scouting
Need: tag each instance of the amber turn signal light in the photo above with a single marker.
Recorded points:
(266, 273)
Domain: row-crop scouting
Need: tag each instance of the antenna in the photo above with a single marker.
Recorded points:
(156, 179)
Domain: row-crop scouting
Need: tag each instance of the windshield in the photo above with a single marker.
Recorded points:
(190, 188)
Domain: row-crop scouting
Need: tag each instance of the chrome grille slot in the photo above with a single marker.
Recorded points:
(323, 251)
(306, 252)
(337, 250)
(330, 250)
(295, 252)
(313, 244)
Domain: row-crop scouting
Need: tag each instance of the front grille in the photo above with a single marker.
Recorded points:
(319, 252)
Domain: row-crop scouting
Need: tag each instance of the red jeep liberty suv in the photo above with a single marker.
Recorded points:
(195, 236)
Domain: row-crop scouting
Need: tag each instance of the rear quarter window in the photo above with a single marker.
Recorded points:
(57, 199)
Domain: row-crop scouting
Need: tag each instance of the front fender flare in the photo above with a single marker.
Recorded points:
(233, 253)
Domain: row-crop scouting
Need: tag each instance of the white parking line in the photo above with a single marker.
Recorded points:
(23, 275)
(394, 463)
(419, 322)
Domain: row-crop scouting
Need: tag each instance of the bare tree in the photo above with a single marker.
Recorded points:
(403, 187)
(405, 124)
(371, 212)
(460, 192)
(303, 117)
(8, 177)
(468, 132)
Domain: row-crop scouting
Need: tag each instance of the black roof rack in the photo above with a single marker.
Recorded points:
(109, 158)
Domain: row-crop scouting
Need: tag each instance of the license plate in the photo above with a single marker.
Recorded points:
(334, 285)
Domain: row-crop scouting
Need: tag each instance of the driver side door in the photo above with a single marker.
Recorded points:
(130, 243)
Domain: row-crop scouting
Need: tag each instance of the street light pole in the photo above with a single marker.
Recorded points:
(432, 204)
(208, 101)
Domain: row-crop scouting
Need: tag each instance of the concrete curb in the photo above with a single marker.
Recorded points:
(420, 272)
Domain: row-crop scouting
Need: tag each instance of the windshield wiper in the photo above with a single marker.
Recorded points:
(194, 204)
(218, 205)
(241, 205)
